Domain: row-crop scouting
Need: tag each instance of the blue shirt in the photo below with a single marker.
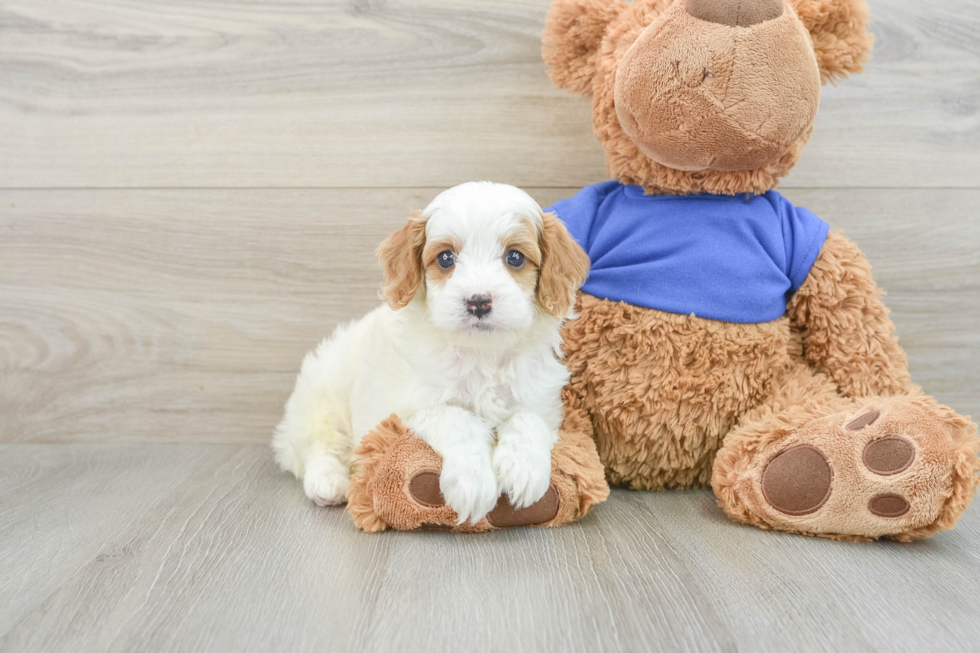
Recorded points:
(721, 257)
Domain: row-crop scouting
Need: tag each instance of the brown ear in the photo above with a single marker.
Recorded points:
(572, 34)
(564, 267)
(839, 32)
(401, 262)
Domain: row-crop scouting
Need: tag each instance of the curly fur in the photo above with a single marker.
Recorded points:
(667, 393)
(664, 389)
(849, 335)
(838, 29)
(574, 30)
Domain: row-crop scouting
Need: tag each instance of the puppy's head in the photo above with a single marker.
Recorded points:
(485, 260)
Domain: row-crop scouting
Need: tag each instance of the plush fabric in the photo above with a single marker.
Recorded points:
(390, 457)
(937, 486)
(735, 13)
(723, 257)
(802, 416)
(697, 95)
(585, 41)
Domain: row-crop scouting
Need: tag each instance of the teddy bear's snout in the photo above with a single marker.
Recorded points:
(691, 74)
(732, 88)
(735, 13)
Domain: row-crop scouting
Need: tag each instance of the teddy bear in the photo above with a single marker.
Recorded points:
(725, 338)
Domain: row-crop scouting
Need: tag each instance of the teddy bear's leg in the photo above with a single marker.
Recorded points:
(816, 463)
(396, 483)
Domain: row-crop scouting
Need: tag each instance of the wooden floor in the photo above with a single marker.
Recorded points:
(190, 194)
(205, 547)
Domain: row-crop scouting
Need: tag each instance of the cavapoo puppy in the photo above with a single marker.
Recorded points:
(466, 352)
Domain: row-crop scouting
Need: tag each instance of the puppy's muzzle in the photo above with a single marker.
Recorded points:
(479, 305)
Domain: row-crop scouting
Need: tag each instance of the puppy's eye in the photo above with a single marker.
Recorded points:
(515, 259)
(446, 260)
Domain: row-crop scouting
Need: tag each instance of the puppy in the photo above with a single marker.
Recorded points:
(466, 352)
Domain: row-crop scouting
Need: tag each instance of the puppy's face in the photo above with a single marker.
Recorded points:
(485, 260)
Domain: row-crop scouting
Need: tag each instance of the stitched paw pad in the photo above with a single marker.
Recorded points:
(878, 471)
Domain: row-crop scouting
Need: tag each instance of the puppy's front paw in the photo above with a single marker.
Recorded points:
(524, 473)
(326, 482)
(469, 487)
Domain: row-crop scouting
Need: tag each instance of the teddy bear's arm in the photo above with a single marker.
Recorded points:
(846, 331)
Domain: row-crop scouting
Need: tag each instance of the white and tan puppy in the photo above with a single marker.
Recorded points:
(466, 352)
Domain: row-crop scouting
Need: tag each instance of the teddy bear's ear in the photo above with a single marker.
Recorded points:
(572, 34)
(839, 31)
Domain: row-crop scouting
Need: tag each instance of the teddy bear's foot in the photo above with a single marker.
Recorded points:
(396, 485)
(902, 467)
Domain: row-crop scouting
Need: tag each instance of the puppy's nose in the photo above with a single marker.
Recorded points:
(479, 305)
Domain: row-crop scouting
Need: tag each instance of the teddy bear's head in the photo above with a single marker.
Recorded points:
(704, 95)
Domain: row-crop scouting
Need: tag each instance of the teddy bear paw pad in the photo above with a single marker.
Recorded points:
(877, 472)
(424, 488)
(889, 455)
(543, 510)
(888, 505)
(798, 480)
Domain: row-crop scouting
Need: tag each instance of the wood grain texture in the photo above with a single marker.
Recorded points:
(139, 324)
(61, 506)
(224, 553)
(369, 93)
(182, 316)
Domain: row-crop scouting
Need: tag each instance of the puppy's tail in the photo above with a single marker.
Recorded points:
(313, 425)
(287, 455)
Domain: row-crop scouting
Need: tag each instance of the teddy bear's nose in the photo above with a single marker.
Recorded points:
(735, 13)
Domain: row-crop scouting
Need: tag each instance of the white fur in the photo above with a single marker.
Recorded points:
(484, 394)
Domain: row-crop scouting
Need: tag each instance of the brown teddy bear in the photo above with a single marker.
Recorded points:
(726, 338)
(751, 351)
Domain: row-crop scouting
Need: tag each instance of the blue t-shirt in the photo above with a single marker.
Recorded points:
(721, 257)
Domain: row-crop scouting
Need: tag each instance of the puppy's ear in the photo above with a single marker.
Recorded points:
(401, 262)
(564, 267)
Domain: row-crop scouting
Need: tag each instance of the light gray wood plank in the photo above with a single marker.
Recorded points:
(184, 315)
(136, 93)
(222, 562)
(60, 506)
(786, 592)
(194, 309)
(231, 556)
(607, 584)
